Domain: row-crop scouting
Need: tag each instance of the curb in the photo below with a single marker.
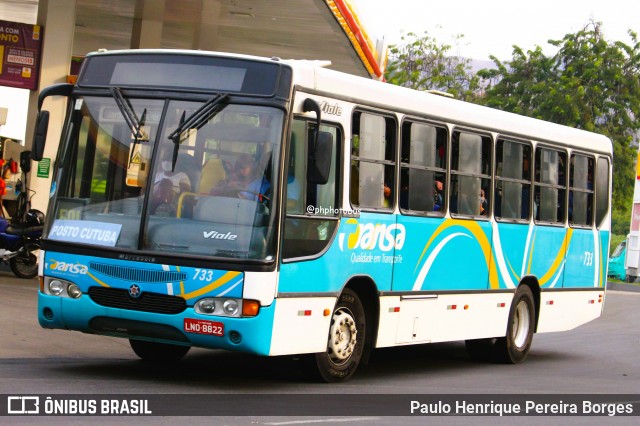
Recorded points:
(623, 287)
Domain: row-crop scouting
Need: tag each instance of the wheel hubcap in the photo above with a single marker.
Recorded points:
(520, 326)
(342, 336)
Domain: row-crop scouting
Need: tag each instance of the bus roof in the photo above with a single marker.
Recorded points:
(313, 76)
(432, 106)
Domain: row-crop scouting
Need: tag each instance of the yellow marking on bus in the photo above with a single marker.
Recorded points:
(559, 258)
(181, 284)
(515, 274)
(102, 283)
(480, 238)
(533, 244)
(212, 286)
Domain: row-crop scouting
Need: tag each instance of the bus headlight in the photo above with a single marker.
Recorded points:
(206, 306)
(230, 307)
(56, 287)
(61, 288)
(219, 306)
(74, 291)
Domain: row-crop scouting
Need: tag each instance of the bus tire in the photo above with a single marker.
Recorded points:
(155, 352)
(514, 347)
(345, 343)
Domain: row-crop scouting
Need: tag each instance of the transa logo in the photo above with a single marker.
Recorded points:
(369, 236)
(72, 268)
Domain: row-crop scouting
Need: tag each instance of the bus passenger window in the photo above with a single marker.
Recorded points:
(550, 185)
(513, 180)
(373, 161)
(423, 172)
(470, 174)
(581, 190)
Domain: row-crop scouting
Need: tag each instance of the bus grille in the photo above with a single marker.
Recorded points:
(147, 302)
(137, 275)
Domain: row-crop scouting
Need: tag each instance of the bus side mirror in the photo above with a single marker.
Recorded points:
(25, 161)
(42, 121)
(319, 161)
(40, 135)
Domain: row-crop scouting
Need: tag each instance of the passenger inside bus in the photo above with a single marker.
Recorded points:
(438, 201)
(244, 181)
(168, 184)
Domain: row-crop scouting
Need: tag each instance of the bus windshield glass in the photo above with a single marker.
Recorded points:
(170, 176)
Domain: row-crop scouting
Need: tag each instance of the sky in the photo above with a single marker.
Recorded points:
(492, 27)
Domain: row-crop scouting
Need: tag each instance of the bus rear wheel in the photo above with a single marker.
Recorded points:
(345, 343)
(156, 353)
(515, 346)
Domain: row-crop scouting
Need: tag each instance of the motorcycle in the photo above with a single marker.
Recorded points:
(20, 242)
(20, 237)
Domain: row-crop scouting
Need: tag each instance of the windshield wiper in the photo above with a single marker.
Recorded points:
(195, 121)
(130, 117)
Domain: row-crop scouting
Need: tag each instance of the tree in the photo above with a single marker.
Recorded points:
(422, 63)
(590, 83)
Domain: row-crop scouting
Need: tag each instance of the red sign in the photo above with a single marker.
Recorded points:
(20, 46)
(199, 326)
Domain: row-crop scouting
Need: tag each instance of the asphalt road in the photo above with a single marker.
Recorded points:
(602, 357)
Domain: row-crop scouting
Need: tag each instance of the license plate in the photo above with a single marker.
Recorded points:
(199, 326)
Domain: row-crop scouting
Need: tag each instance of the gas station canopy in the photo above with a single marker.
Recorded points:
(296, 29)
(327, 30)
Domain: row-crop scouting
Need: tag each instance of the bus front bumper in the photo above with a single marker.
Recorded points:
(245, 334)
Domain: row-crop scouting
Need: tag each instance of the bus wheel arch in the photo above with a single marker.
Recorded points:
(350, 333)
(532, 282)
(367, 291)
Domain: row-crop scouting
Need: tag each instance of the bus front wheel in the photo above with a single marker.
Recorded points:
(345, 344)
(155, 352)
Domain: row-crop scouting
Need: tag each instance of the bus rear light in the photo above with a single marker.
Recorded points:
(326, 312)
(502, 305)
(466, 307)
(452, 307)
(250, 308)
(549, 302)
(304, 313)
(394, 309)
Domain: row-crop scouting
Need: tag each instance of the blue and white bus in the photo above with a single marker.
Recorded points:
(277, 207)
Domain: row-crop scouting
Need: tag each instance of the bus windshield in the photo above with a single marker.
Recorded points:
(170, 176)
